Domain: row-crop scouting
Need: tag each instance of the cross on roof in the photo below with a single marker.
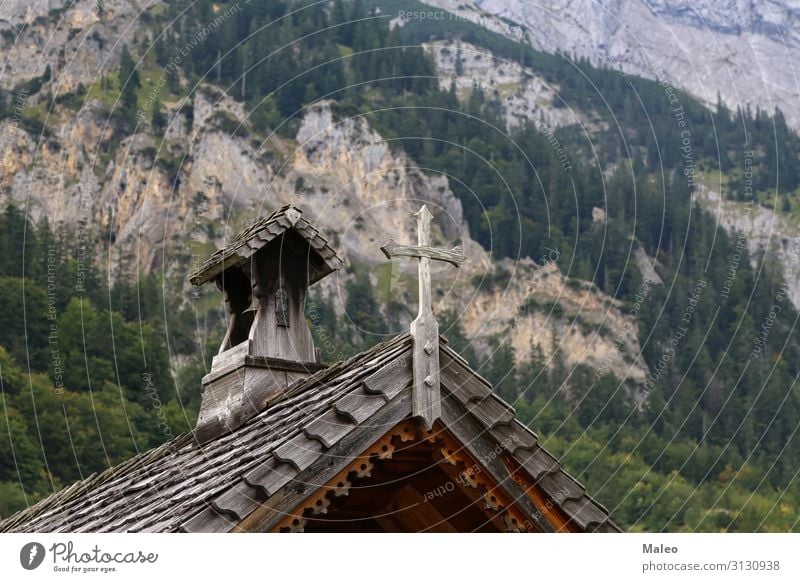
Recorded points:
(426, 399)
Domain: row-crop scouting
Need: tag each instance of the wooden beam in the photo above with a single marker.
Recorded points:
(426, 396)
(455, 256)
(546, 507)
(471, 436)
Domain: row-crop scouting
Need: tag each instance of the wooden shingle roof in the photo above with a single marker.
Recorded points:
(278, 457)
(264, 231)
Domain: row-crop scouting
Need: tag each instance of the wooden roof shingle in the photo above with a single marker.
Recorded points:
(262, 232)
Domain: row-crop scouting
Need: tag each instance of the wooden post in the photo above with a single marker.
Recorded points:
(426, 399)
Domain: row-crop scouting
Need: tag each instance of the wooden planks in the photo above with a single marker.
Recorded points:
(491, 412)
(326, 468)
(476, 441)
(238, 501)
(329, 428)
(208, 521)
(455, 256)
(358, 406)
(391, 379)
(561, 487)
(299, 452)
(513, 437)
(270, 476)
(537, 462)
(261, 233)
(584, 512)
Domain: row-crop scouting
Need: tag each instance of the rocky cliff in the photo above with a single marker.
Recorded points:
(769, 235)
(348, 180)
(164, 202)
(524, 95)
(76, 39)
(742, 49)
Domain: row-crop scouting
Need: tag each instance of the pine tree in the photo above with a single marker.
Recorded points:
(128, 80)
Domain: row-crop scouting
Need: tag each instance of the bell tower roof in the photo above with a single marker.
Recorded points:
(322, 258)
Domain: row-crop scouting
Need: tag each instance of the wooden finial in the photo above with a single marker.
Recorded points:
(426, 394)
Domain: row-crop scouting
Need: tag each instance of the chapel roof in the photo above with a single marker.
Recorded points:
(322, 423)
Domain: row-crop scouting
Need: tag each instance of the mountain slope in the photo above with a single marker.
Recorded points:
(743, 50)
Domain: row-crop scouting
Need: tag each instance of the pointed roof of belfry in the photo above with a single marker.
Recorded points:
(255, 237)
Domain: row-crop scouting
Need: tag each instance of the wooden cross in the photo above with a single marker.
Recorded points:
(426, 398)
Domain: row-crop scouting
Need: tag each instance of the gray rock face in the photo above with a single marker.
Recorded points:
(75, 39)
(14, 12)
(523, 94)
(769, 235)
(742, 49)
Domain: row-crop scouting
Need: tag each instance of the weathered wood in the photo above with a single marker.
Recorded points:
(455, 257)
(328, 429)
(557, 518)
(270, 476)
(424, 240)
(514, 436)
(280, 330)
(233, 398)
(408, 511)
(326, 468)
(584, 512)
(227, 361)
(426, 398)
(472, 436)
(491, 411)
(466, 389)
(288, 365)
(390, 379)
(477, 483)
(300, 452)
(276, 260)
(207, 521)
(358, 406)
(262, 233)
(220, 406)
(537, 462)
(238, 501)
(560, 487)
(457, 368)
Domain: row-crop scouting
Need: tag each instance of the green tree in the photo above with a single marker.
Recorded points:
(129, 83)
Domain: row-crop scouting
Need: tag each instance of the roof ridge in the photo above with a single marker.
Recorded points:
(501, 424)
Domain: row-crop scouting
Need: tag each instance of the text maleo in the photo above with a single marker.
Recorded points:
(659, 549)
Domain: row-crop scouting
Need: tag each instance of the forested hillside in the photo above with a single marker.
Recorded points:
(708, 442)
